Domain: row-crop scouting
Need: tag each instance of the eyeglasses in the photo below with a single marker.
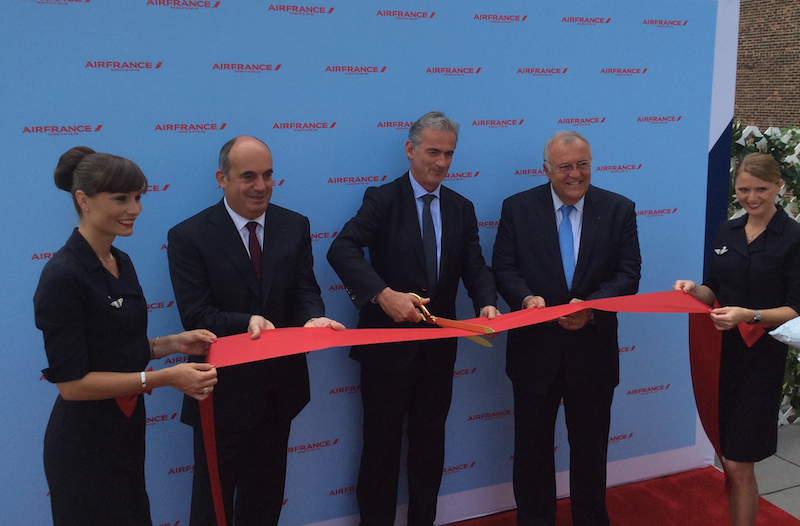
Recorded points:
(583, 167)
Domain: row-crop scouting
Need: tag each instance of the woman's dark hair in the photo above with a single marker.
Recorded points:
(81, 168)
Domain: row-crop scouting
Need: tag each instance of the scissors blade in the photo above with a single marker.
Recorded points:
(453, 324)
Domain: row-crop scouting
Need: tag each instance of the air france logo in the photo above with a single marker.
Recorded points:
(406, 15)
(618, 168)
(623, 72)
(300, 9)
(490, 416)
(499, 123)
(656, 213)
(153, 420)
(458, 373)
(191, 127)
(350, 389)
(303, 126)
(459, 176)
(317, 236)
(541, 72)
(333, 288)
(453, 72)
(181, 469)
(500, 19)
(176, 359)
(123, 66)
(157, 188)
(450, 470)
(349, 490)
(401, 125)
(488, 224)
(533, 172)
(582, 121)
(42, 256)
(349, 181)
(619, 438)
(63, 130)
(159, 305)
(176, 523)
(307, 448)
(664, 23)
(238, 67)
(60, 2)
(626, 349)
(649, 390)
(355, 70)
(587, 21)
(661, 119)
(191, 5)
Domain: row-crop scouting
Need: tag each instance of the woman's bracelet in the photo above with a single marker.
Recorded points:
(153, 348)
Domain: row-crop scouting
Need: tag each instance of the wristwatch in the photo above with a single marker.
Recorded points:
(756, 318)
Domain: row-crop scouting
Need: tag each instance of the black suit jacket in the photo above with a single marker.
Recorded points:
(527, 261)
(388, 226)
(216, 289)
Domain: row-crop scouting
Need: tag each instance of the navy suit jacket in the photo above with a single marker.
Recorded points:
(388, 226)
(527, 261)
(216, 289)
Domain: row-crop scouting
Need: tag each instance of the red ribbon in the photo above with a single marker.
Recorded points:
(704, 349)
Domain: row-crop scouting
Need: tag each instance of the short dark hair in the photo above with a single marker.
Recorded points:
(225, 151)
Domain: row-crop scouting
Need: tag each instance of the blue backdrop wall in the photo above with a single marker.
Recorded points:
(333, 88)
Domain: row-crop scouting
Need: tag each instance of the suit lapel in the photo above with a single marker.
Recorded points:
(223, 233)
(592, 217)
(546, 221)
(272, 236)
(449, 222)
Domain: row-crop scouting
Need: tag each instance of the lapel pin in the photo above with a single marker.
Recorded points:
(117, 303)
(720, 251)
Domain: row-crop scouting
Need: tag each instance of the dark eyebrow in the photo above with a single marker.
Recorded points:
(251, 172)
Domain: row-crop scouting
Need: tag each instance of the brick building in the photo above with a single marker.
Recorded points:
(768, 66)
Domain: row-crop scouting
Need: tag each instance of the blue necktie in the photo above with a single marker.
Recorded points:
(567, 244)
(429, 243)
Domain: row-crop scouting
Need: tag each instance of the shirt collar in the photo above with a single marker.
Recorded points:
(240, 222)
(558, 203)
(419, 191)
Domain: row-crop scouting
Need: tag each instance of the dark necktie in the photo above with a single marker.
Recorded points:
(567, 244)
(429, 243)
(255, 249)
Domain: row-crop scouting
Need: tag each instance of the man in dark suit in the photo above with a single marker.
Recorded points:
(543, 256)
(242, 266)
(417, 245)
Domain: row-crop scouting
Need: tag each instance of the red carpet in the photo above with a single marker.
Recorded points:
(693, 498)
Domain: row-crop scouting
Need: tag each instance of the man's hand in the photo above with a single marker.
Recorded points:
(576, 320)
(324, 322)
(533, 302)
(258, 324)
(490, 312)
(400, 306)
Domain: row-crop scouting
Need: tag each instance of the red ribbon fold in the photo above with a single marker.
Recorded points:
(704, 347)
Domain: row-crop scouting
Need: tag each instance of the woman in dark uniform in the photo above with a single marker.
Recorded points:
(91, 310)
(755, 276)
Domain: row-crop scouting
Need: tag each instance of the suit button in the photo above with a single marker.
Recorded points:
(424, 288)
(353, 297)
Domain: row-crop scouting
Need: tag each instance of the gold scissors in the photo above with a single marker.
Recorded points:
(454, 324)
